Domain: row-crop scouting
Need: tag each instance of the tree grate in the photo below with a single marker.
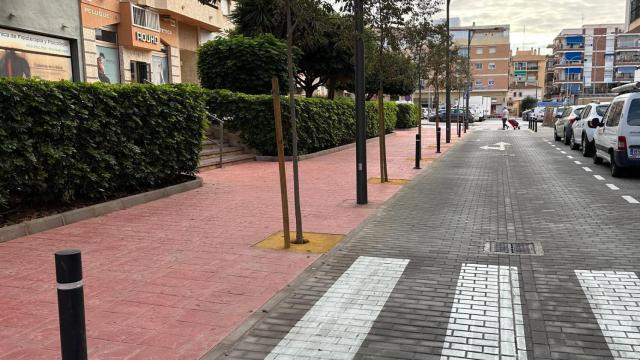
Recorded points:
(496, 247)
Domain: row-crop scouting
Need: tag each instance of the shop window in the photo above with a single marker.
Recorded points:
(108, 64)
(160, 67)
(145, 18)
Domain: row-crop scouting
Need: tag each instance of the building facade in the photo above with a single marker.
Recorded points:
(41, 38)
(147, 41)
(527, 77)
(489, 57)
(632, 16)
(592, 60)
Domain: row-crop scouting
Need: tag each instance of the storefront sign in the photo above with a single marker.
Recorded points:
(15, 63)
(148, 38)
(168, 31)
(94, 17)
(36, 43)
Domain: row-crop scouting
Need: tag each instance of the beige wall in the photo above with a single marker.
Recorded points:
(90, 55)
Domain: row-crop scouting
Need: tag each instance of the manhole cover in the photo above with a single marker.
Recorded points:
(528, 248)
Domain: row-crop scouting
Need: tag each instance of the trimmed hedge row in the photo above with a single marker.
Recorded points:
(322, 124)
(407, 116)
(63, 141)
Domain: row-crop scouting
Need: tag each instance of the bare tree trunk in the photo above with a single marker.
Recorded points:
(294, 129)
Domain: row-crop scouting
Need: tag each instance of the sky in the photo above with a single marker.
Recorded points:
(543, 18)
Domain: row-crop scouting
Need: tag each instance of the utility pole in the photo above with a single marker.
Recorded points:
(448, 79)
(468, 89)
(361, 125)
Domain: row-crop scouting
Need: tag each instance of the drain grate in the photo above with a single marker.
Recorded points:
(496, 247)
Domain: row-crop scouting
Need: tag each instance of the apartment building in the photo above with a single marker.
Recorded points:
(527, 77)
(593, 59)
(489, 57)
(632, 16)
(148, 41)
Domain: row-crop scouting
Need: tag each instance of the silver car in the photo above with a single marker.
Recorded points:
(562, 127)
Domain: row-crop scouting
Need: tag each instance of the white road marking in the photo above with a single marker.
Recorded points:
(563, 152)
(500, 146)
(613, 187)
(570, 157)
(578, 162)
(338, 323)
(587, 169)
(486, 316)
(598, 177)
(613, 297)
(558, 149)
(630, 199)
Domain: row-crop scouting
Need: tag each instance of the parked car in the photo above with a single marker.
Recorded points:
(455, 113)
(538, 113)
(617, 139)
(562, 127)
(583, 129)
(527, 115)
(425, 113)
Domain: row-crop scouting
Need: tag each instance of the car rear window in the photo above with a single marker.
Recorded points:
(633, 117)
(578, 111)
(601, 109)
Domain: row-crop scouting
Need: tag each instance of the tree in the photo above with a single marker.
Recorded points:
(527, 103)
(320, 33)
(435, 61)
(243, 64)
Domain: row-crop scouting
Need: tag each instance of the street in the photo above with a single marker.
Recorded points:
(509, 246)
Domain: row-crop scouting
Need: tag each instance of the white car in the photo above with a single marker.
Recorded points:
(538, 113)
(617, 139)
(585, 127)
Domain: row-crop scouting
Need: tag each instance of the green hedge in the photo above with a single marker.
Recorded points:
(407, 116)
(63, 141)
(322, 124)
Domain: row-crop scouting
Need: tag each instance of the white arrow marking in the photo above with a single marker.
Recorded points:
(501, 146)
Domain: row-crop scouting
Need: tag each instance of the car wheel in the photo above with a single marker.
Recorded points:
(596, 158)
(567, 138)
(616, 171)
(555, 134)
(586, 147)
(574, 145)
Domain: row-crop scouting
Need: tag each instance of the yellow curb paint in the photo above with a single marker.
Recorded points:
(318, 243)
(390, 182)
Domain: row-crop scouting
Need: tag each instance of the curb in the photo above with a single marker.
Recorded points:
(319, 153)
(69, 217)
(226, 344)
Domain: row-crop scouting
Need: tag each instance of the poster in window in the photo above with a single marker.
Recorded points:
(159, 70)
(108, 65)
(15, 63)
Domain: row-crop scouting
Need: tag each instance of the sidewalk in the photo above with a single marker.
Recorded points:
(171, 278)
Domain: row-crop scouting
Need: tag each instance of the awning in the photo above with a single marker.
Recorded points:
(573, 71)
(572, 40)
(573, 56)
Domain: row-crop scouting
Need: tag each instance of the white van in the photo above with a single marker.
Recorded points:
(617, 139)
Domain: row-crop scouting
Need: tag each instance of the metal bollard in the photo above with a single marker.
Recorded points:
(535, 124)
(73, 336)
(438, 135)
(418, 151)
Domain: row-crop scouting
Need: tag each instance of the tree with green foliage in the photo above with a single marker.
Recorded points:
(529, 102)
(243, 64)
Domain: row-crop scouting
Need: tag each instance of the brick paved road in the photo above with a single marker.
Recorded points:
(415, 281)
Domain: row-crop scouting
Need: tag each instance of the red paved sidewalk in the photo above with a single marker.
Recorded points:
(169, 279)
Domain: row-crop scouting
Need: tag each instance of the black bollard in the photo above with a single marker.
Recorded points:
(438, 134)
(535, 124)
(73, 336)
(418, 151)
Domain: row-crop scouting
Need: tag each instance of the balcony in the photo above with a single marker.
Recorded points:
(568, 63)
(571, 78)
(568, 47)
(623, 78)
(627, 58)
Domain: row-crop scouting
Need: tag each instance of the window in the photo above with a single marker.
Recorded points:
(520, 66)
(520, 94)
(602, 109)
(478, 66)
(612, 118)
(492, 82)
(225, 7)
(492, 50)
(585, 113)
(492, 66)
(478, 82)
(107, 35)
(145, 18)
(633, 116)
(479, 51)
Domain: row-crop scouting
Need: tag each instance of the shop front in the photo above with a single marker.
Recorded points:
(135, 42)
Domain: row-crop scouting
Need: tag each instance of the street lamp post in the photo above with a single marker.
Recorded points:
(468, 89)
(448, 79)
(361, 136)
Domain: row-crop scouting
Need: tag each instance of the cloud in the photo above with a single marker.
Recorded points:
(543, 19)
